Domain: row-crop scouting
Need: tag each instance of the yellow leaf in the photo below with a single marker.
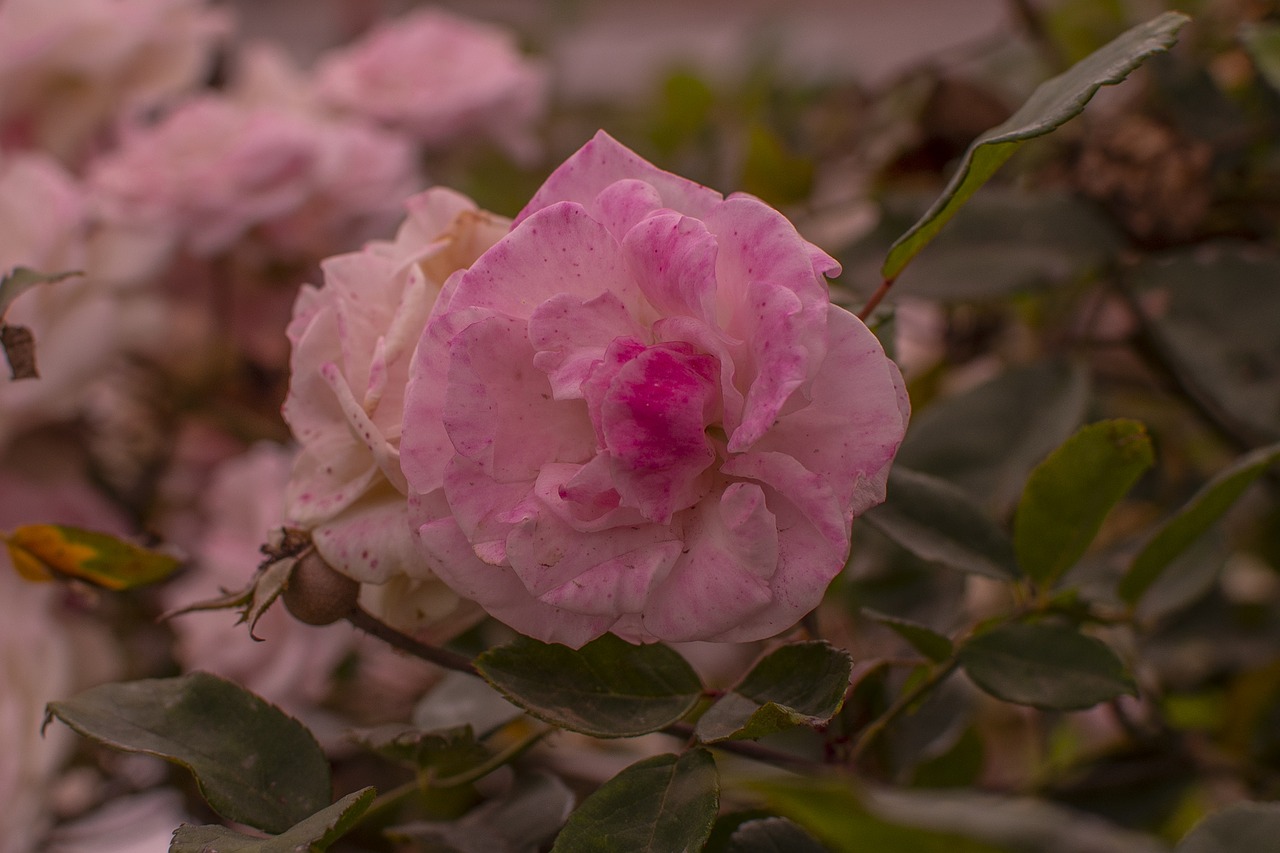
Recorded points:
(48, 551)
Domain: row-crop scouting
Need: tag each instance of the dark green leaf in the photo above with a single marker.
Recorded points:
(254, 764)
(1239, 828)
(1070, 493)
(664, 804)
(1215, 326)
(799, 684)
(833, 811)
(987, 439)
(773, 835)
(1187, 578)
(1052, 104)
(312, 835)
(608, 688)
(1045, 666)
(925, 640)
(939, 522)
(1193, 520)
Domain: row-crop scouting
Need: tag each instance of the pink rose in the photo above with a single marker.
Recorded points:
(67, 68)
(353, 340)
(216, 168)
(438, 77)
(640, 413)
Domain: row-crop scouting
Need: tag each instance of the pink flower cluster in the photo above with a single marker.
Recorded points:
(635, 412)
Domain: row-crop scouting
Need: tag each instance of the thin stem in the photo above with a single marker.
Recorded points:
(370, 624)
(747, 749)
(902, 703)
(493, 762)
(875, 299)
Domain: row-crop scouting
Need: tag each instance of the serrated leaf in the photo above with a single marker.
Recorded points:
(1050, 106)
(1045, 666)
(311, 835)
(1190, 522)
(253, 763)
(21, 279)
(608, 688)
(1069, 494)
(664, 804)
(799, 684)
(941, 523)
(1235, 829)
(42, 552)
(773, 835)
(988, 439)
(926, 641)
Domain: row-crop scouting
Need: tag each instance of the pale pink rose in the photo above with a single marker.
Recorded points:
(215, 168)
(639, 413)
(438, 77)
(294, 664)
(67, 68)
(83, 326)
(352, 341)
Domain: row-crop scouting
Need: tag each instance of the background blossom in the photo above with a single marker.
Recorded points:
(639, 413)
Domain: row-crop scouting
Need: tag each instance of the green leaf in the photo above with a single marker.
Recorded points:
(1236, 829)
(459, 698)
(46, 551)
(1052, 104)
(832, 810)
(1045, 666)
(926, 641)
(523, 819)
(799, 684)
(940, 523)
(437, 754)
(773, 835)
(1193, 520)
(254, 764)
(1215, 326)
(663, 804)
(1070, 493)
(21, 279)
(987, 439)
(1263, 43)
(608, 688)
(312, 835)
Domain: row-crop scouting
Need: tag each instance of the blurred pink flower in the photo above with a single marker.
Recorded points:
(439, 77)
(215, 168)
(639, 413)
(352, 341)
(67, 68)
(83, 325)
(293, 667)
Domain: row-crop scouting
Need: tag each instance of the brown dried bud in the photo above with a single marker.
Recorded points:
(317, 594)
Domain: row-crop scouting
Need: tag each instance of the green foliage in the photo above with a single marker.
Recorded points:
(1193, 520)
(772, 835)
(1055, 102)
(254, 764)
(1045, 666)
(799, 684)
(926, 641)
(941, 523)
(313, 834)
(1069, 495)
(665, 803)
(608, 688)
